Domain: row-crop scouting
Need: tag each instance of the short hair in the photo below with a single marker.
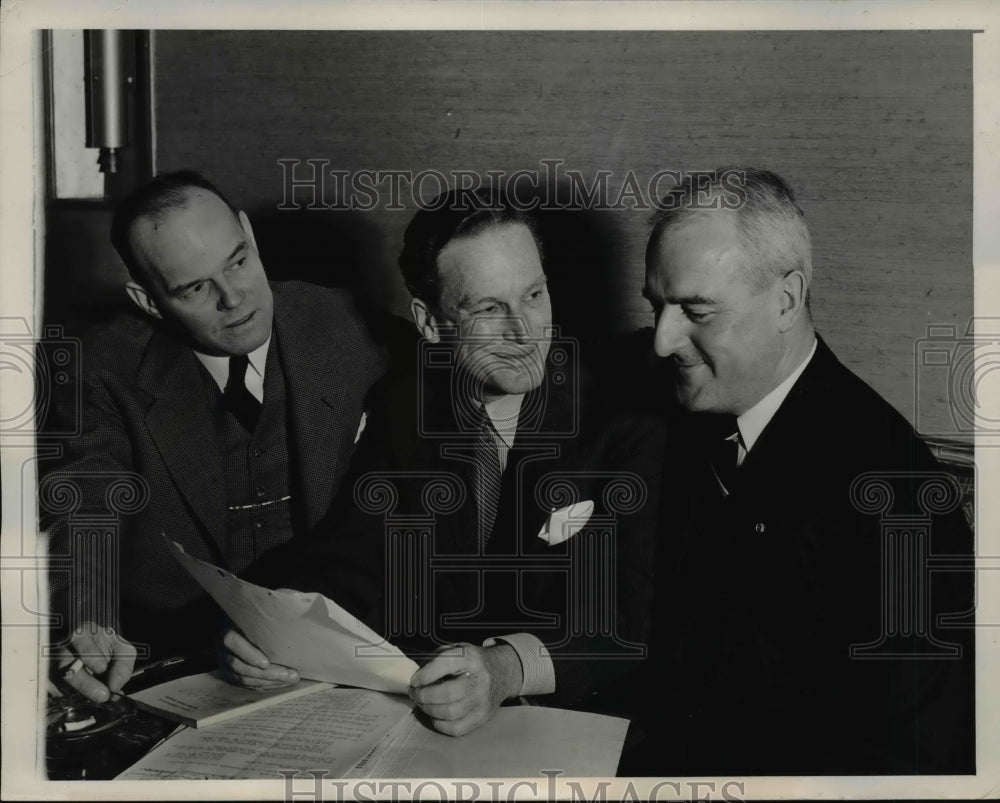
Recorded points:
(164, 193)
(774, 235)
(451, 215)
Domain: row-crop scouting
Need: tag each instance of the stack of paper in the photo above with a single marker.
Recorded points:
(207, 699)
(332, 729)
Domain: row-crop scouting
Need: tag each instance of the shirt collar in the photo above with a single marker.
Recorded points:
(503, 413)
(218, 367)
(753, 421)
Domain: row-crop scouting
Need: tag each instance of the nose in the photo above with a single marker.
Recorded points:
(230, 296)
(516, 328)
(671, 331)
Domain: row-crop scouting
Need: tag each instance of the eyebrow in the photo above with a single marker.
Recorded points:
(466, 303)
(179, 289)
(241, 247)
(691, 301)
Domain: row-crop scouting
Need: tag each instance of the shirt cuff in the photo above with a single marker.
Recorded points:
(536, 663)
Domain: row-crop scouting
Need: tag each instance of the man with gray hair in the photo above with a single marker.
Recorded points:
(782, 644)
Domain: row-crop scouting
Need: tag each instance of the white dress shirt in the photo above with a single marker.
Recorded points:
(503, 414)
(218, 367)
(753, 421)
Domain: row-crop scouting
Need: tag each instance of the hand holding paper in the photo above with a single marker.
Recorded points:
(308, 632)
(463, 685)
(245, 665)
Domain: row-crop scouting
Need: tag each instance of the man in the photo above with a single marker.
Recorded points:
(232, 403)
(475, 449)
(784, 643)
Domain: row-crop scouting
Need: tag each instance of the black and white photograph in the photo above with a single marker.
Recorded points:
(499, 400)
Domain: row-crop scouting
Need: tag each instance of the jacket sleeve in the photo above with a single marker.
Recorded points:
(82, 501)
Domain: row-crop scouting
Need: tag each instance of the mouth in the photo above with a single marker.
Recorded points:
(686, 366)
(512, 354)
(520, 358)
(241, 322)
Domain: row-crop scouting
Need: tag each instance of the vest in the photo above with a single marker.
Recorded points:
(256, 469)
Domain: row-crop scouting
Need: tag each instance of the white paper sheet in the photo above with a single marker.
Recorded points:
(518, 742)
(308, 632)
(207, 699)
(330, 730)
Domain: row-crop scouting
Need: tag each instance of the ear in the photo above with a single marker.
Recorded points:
(793, 290)
(142, 299)
(245, 225)
(424, 320)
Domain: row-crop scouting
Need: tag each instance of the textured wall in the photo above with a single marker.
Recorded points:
(874, 129)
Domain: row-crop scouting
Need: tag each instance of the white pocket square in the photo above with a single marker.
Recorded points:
(566, 522)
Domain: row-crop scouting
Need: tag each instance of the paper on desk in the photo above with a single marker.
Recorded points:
(308, 632)
(518, 742)
(330, 730)
(206, 699)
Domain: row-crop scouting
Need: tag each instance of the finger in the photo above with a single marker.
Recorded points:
(261, 684)
(122, 664)
(85, 645)
(449, 690)
(275, 673)
(238, 644)
(257, 683)
(90, 687)
(456, 727)
(451, 661)
(447, 711)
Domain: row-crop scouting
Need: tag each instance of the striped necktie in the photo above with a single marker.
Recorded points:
(486, 477)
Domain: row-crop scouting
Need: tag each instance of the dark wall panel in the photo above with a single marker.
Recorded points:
(874, 129)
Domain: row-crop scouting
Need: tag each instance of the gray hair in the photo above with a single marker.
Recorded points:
(773, 231)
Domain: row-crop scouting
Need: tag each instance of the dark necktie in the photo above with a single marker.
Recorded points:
(236, 398)
(486, 477)
(724, 449)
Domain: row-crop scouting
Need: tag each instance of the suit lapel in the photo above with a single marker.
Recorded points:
(533, 453)
(792, 433)
(182, 432)
(316, 380)
(450, 450)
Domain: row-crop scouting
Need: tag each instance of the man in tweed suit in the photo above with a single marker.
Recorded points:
(237, 404)
(498, 418)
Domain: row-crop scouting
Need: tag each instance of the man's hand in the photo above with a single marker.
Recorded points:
(244, 665)
(461, 687)
(97, 663)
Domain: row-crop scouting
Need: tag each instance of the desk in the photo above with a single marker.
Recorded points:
(353, 733)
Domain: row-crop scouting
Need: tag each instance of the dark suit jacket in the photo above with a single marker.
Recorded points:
(763, 594)
(144, 412)
(402, 550)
